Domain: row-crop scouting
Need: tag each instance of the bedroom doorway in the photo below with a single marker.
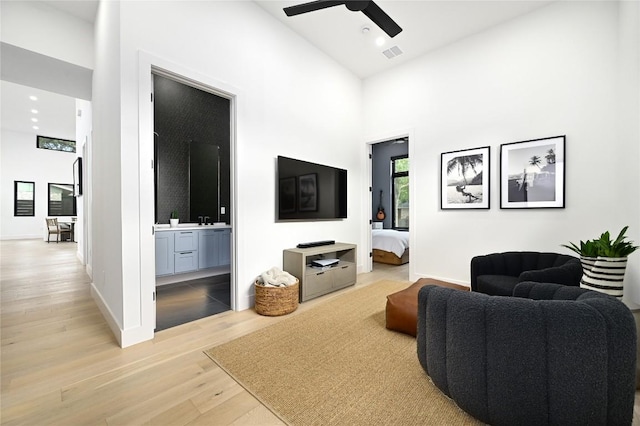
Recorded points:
(390, 201)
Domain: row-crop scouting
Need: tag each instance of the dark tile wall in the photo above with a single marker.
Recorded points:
(183, 114)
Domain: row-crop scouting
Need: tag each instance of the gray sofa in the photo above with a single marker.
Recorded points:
(551, 355)
(498, 273)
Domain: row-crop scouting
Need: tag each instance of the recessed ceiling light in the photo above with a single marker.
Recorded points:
(34, 111)
(35, 127)
(33, 98)
(35, 120)
(380, 41)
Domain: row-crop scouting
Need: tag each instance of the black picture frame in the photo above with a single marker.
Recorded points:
(532, 173)
(464, 179)
(77, 177)
(308, 192)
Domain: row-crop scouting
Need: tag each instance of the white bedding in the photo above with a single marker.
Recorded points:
(390, 240)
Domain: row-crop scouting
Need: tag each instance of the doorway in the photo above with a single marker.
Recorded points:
(192, 177)
(390, 202)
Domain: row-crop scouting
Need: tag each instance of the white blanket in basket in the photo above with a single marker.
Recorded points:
(275, 277)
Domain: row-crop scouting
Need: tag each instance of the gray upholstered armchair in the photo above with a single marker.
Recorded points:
(552, 355)
(498, 273)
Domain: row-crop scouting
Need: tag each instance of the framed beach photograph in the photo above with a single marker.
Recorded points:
(532, 174)
(308, 193)
(463, 181)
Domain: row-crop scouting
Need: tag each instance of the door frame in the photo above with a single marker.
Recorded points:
(406, 133)
(149, 65)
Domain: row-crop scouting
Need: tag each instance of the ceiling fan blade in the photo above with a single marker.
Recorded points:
(381, 19)
(299, 9)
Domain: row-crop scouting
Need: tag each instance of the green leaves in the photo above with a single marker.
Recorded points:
(174, 214)
(587, 248)
(604, 247)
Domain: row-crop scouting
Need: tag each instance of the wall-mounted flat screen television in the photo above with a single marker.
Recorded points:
(310, 191)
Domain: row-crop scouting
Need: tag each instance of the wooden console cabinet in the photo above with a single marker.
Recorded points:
(315, 282)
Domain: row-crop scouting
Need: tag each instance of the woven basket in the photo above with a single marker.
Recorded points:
(274, 301)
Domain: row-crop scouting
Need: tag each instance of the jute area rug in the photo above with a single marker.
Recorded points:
(338, 364)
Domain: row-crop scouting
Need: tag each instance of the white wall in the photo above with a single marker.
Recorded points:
(83, 140)
(105, 208)
(291, 100)
(43, 29)
(552, 72)
(628, 114)
(21, 160)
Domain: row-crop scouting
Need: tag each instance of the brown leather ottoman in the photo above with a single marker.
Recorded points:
(402, 307)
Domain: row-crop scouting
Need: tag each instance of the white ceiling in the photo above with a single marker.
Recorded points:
(427, 25)
(56, 113)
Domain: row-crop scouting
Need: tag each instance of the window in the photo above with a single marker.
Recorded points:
(56, 144)
(400, 191)
(61, 200)
(24, 198)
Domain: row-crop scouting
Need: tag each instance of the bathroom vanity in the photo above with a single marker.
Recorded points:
(191, 247)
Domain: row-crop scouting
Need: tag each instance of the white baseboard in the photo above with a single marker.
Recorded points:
(449, 280)
(107, 314)
(125, 338)
(22, 237)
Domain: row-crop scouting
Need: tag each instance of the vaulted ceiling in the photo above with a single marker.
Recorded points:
(347, 37)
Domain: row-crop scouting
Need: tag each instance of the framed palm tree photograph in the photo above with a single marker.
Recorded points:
(532, 173)
(463, 181)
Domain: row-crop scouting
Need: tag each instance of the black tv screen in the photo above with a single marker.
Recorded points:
(309, 191)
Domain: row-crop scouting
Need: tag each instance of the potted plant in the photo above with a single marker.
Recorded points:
(174, 219)
(604, 262)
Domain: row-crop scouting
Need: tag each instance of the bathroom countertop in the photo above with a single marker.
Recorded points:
(188, 227)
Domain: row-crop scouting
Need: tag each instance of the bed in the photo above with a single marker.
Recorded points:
(390, 246)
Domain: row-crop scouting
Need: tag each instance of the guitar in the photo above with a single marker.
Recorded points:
(380, 215)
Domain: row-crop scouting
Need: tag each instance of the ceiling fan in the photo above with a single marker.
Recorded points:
(369, 8)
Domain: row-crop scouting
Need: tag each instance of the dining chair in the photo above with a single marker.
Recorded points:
(53, 227)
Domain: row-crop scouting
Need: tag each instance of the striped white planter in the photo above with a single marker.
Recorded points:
(604, 274)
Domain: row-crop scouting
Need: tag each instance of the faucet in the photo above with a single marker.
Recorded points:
(206, 220)
(199, 220)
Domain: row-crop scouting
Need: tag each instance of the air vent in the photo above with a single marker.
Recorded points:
(392, 52)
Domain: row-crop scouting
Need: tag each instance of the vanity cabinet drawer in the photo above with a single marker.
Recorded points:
(186, 240)
(186, 261)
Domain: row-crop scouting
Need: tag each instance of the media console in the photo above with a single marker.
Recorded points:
(318, 281)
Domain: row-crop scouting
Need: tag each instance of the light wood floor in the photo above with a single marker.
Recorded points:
(61, 365)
